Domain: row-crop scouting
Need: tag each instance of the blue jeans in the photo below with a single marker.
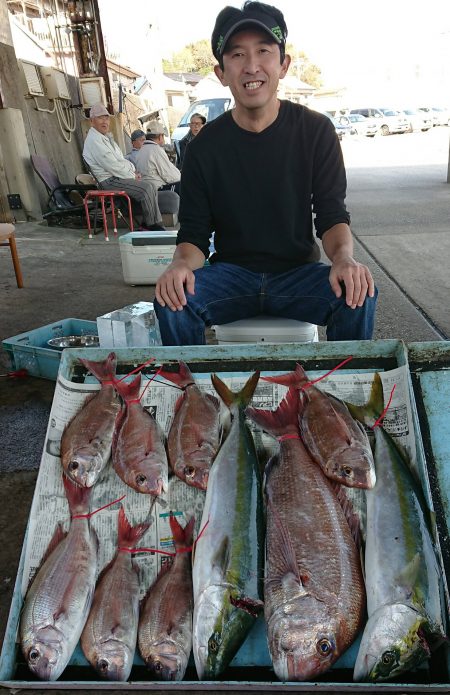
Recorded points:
(225, 292)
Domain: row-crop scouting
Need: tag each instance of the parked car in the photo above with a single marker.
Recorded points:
(397, 121)
(209, 108)
(390, 120)
(363, 126)
(440, 116)
(418, 120)
(341, 124)
(429, 112)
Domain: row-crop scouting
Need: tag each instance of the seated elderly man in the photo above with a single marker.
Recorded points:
(153, 163)
(137, 140)
(114, 172)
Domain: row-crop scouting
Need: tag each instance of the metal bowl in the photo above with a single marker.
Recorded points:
(66, 341)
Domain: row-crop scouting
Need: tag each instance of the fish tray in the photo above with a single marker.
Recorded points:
(428, 385)
(31, 351)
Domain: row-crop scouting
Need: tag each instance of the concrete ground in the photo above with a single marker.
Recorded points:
(400, 203)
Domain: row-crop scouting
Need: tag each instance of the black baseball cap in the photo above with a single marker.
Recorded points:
(232, 19)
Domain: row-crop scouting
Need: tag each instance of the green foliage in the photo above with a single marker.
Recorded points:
(302, 68)
(195, 57)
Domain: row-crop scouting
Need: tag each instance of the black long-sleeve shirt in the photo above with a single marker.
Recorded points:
(258, 191)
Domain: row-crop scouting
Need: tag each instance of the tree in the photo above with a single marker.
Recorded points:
(195, 57)
(302, 68)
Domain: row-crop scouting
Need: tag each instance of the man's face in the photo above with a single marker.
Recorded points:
(252, 68)
(137, 144)
(195, 125)
(101, 123)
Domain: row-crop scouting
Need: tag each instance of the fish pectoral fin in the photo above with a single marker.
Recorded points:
(250, 605)
(58, 616)
(349, 512)
(409, 574)
(294, 584)
(222, 557)
(118, 632)
(287, 559)
(58, 535)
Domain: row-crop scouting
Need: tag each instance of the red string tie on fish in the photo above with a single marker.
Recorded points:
(138, 400)
(338, 366)
(165, 552)
(88, 516)
(378, 422)
(149, 381)
(283, 437)
(138, 368)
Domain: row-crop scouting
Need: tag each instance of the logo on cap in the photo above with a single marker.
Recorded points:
(276, 31)
(219, 43)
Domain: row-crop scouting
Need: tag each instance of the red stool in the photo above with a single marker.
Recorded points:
(109, 195)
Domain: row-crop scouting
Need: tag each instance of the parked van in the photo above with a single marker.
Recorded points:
(390, 120)
(209, 108)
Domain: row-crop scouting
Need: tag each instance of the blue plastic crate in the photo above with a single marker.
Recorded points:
(30, 350)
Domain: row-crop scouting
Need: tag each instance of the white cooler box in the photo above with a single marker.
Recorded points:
(145, 255)
(266, 329)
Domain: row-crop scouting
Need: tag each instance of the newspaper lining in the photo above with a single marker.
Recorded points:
(50, 505)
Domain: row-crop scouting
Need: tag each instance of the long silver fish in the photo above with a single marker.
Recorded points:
(110, 635)
(314, 597)
(165, 624)
(58, 601)
(194, 436)
(138, 453)
(228, 562)
(337, 442)
(403, 577)
(86, 441)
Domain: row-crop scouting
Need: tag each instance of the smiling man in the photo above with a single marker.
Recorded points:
(255, 176)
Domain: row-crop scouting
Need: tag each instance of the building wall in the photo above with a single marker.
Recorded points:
(41, 130)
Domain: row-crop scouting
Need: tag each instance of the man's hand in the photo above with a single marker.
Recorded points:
(356, 278)
(172, 284)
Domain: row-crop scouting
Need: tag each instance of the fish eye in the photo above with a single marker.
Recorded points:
(324, 646)
(347, 471)
(34, 655)
(141, 479)
(73, 465)
(213, 645)
(102, 664)
(387, 658)
(157, 666)
(189, 471)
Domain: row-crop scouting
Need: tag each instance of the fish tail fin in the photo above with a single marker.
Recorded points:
(129, 390)
(129, 535)
(296, 378)
(78, 498)
(240, 399)
(283, 420)
(182, 537)
(104, 370)
(368, 413)
(182, 378)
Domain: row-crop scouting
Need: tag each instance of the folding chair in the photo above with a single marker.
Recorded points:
(62, 202)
